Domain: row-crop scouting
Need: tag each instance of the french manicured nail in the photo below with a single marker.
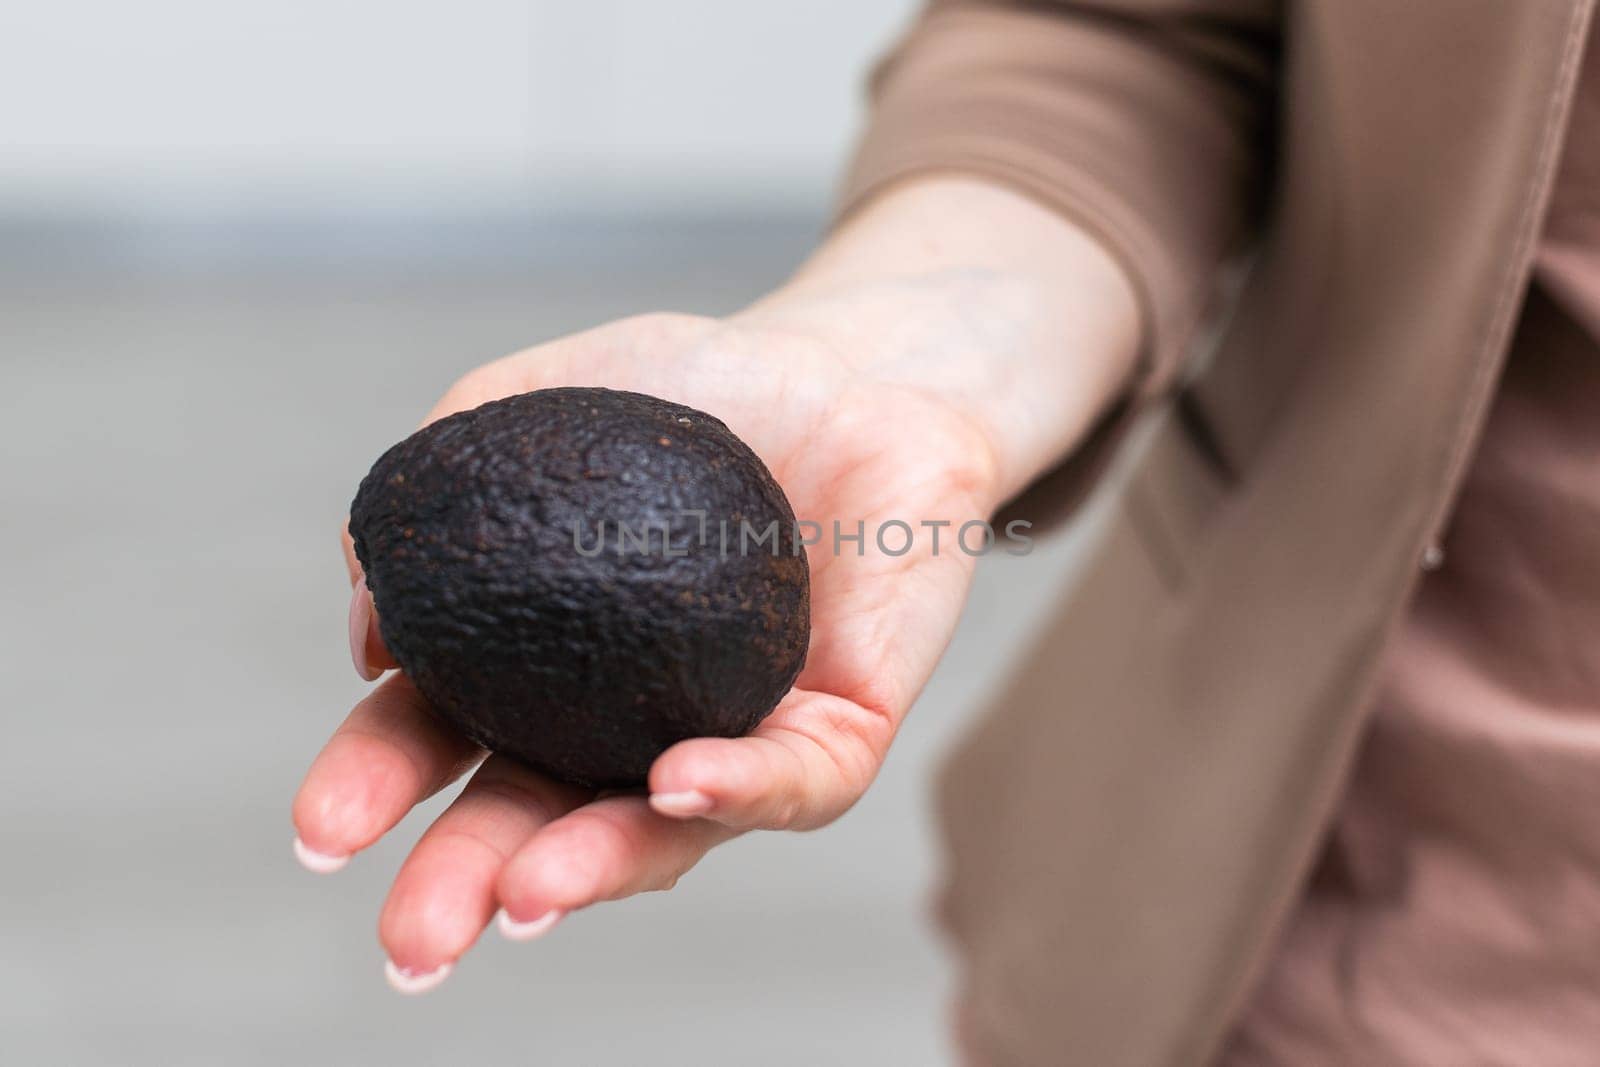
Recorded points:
(360, 622)
(404, 980)
(318, 862)
(689, 802)
(527, 931)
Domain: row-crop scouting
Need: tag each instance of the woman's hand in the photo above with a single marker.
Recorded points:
(873, 395)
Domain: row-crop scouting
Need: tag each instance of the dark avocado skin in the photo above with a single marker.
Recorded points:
(587, 668)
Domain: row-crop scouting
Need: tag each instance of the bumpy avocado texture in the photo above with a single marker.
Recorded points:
(581, 578)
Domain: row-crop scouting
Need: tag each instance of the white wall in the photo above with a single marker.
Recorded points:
(200, 108)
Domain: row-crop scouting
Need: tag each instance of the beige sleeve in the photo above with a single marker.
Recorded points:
(1144, 120)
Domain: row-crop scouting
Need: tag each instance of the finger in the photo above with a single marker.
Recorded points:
(351, 563)
(388, 755)
(607, 850)
(367, 650)
(801, 768)
(444, 895)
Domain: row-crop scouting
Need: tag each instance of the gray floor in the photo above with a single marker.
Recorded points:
(183, 418)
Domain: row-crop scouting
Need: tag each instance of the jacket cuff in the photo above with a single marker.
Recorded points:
(1148, 151)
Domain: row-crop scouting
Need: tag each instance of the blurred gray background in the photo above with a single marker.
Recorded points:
(243, 248)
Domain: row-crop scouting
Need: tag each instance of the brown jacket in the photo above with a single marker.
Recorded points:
(1129, 823)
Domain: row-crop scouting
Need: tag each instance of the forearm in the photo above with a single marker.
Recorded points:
(1001, 308)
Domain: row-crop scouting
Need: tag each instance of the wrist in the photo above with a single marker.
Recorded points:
(1003, 311)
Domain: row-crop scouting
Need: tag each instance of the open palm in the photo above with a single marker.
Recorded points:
(849, 446)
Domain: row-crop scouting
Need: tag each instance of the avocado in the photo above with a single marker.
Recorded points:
(583, 577)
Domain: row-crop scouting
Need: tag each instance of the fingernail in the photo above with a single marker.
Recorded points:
(318, 862)
(404, 980)
(527, 931)
(689, 802)
(360, 621)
